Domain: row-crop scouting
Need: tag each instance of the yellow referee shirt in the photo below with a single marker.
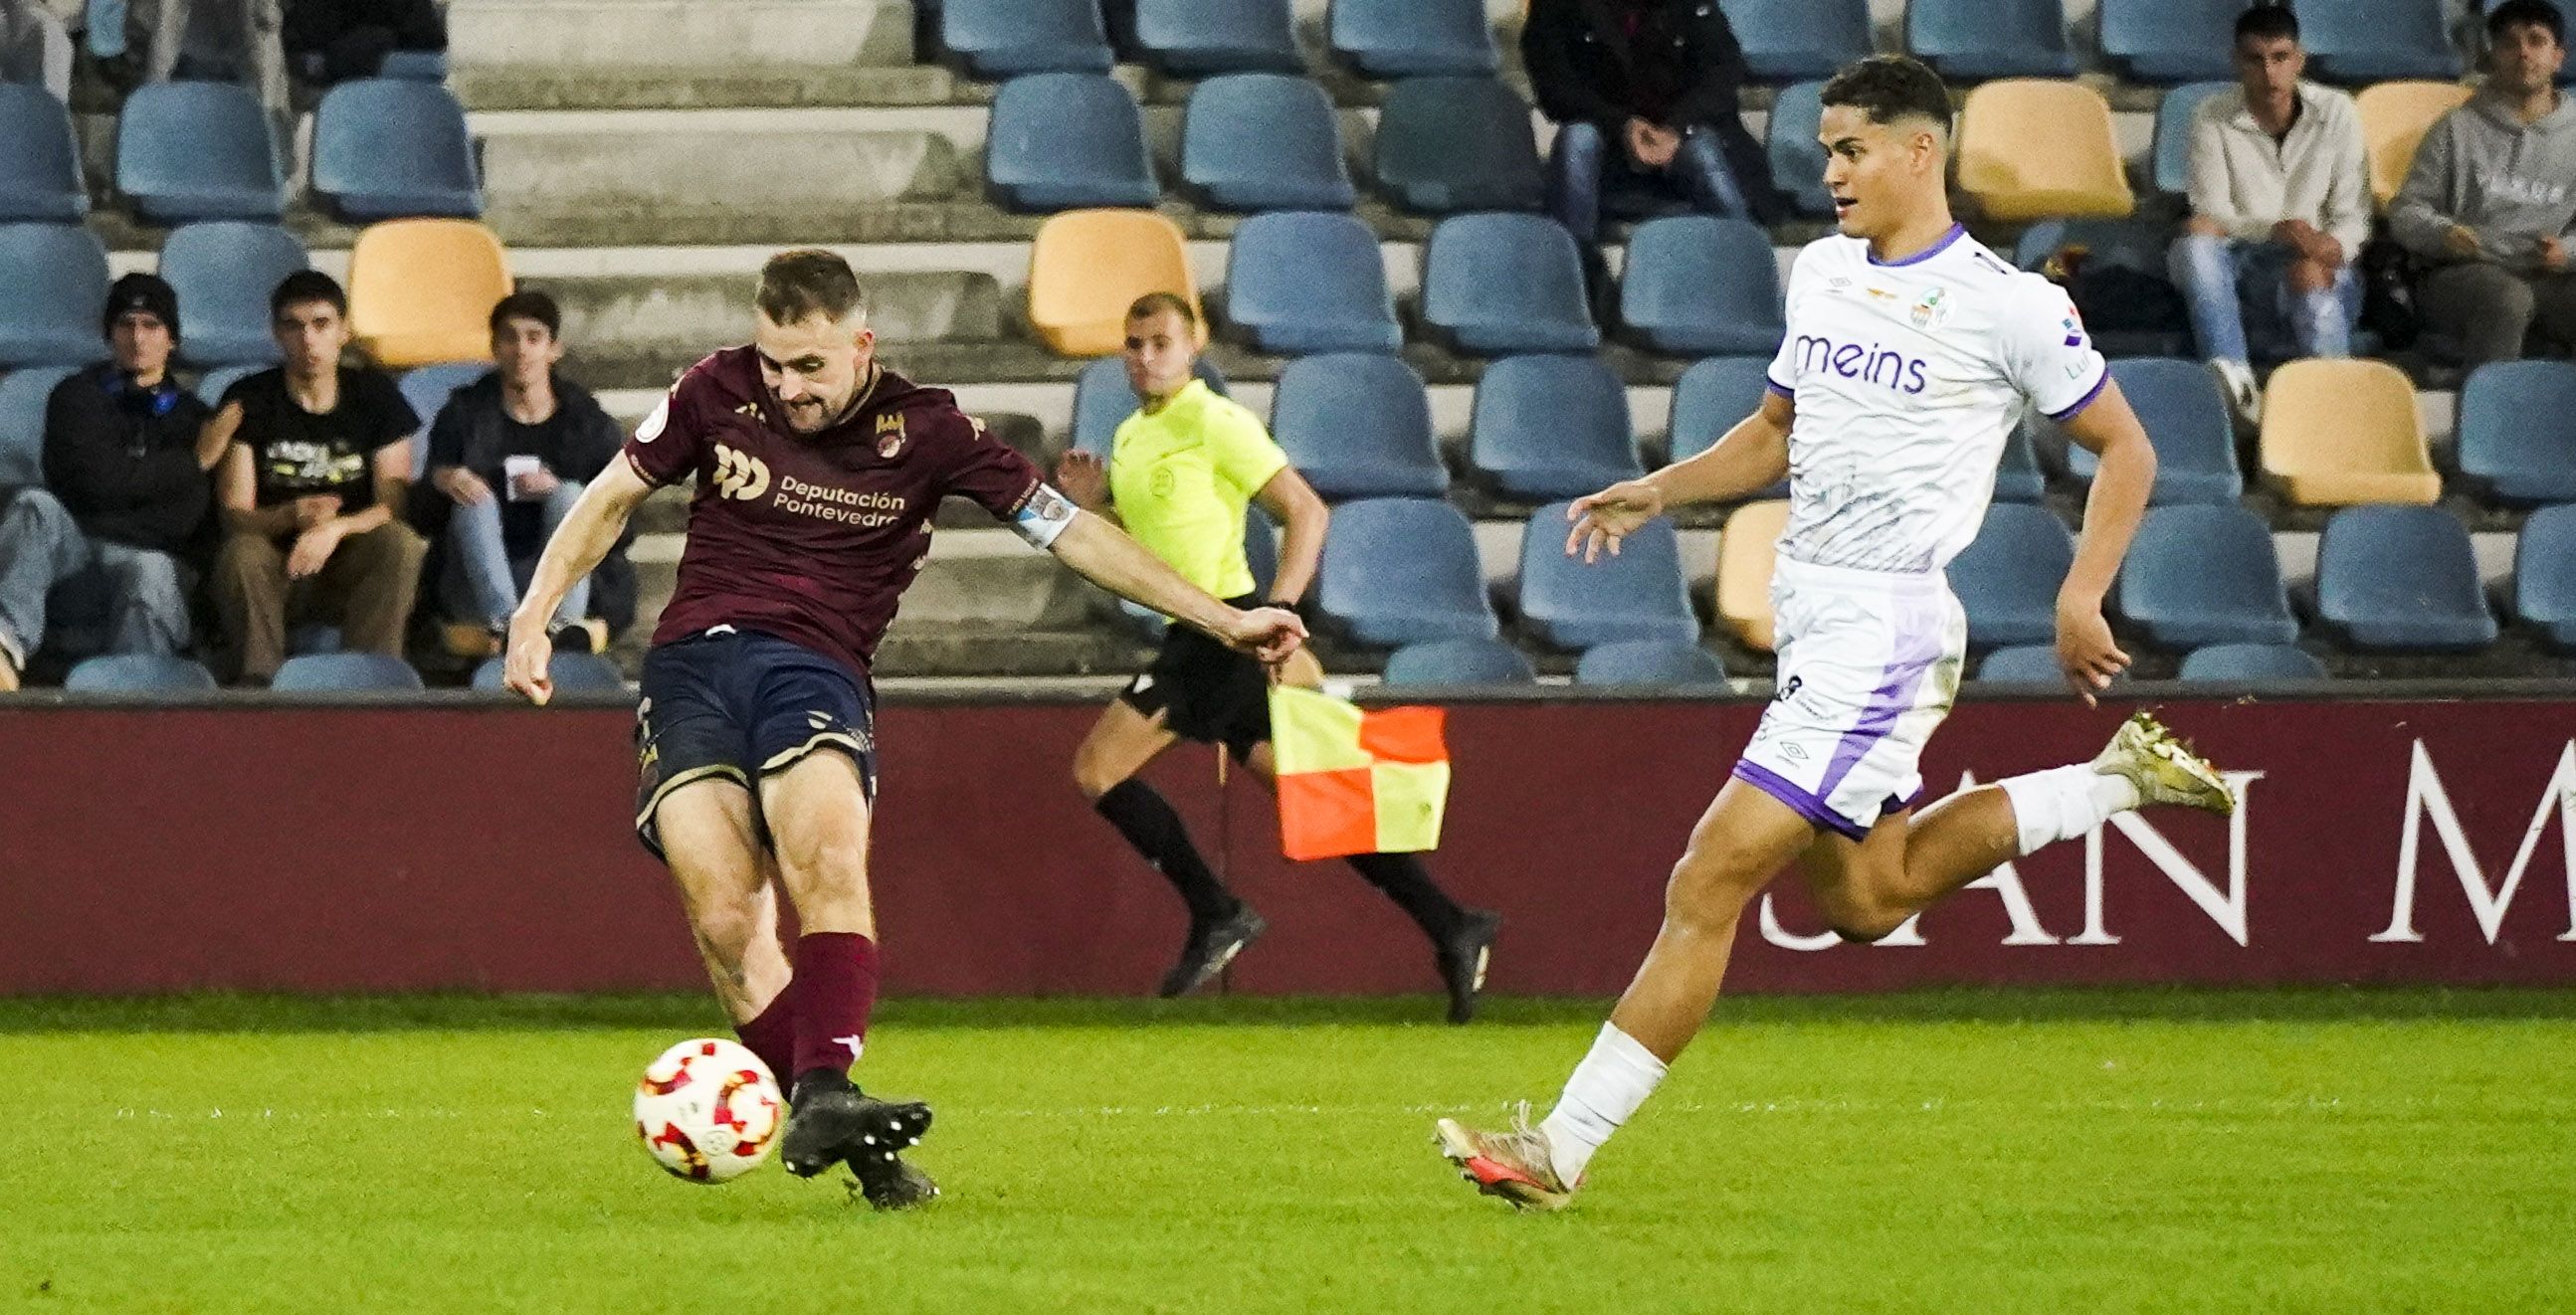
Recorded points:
(1181, 477)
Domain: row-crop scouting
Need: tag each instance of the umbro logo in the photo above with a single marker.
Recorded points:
(740, 475)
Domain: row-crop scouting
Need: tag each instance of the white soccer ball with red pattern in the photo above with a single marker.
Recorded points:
(708, 1110)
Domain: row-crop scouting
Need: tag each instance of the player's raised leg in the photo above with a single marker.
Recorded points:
(1105, 768)
(706, 834)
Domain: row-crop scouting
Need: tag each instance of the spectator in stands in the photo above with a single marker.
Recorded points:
(512, 452)
(2491, 196)
(36, 43)
(316, 457)
(336, 40)
(2280, 205)
(124, 503)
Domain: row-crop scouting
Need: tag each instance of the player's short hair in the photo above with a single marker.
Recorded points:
(2267, 22)
(796, 284)
(2526, 13)
(307, 285)
(1891, 87)
(1155, 303)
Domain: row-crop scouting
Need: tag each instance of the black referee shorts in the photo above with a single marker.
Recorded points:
(1208, 692)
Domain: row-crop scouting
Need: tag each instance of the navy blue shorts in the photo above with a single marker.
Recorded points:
(740, 705)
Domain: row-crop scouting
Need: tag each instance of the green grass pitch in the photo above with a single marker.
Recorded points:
(2058, 1152)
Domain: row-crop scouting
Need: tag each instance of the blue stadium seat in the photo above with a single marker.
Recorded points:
(1412, 38)
(2241, 663)
(40, 177)
(2172, 149)
(2007, 580)
(1007, 38)
(1447, 145)
(1403, 570)
(1303, 281)
(2544, 575)
(1261, 141)
(1358, 426)
(2022, 664)
(2170, 40)
(224, 272)
(344, 673)
(1696, 285)
(1550, 427)
(1649, 662)
(414, 65)
(2402, 579)
(1789, 40)
(198, 150)
(1065, 141)
(212, 384)
(139, 673)
(1797, 161)
(2205, 575)
(1713, 397)
(1199, 38)
(2017, 476)
(2517, 431)
(386, 148)
(1638, 595)
(1972, 40)
(55, 281)
(1500, 283)
(571, 672)
(2359, 41)
(2135, 245)
(1102, 400)
(22, 422)
(427, 389)
(2187, 422)
(1459, 662)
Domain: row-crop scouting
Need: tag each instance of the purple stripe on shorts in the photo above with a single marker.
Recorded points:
(1918, 646)
(1806, 805)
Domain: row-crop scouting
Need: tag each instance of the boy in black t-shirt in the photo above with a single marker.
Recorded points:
(316, 460)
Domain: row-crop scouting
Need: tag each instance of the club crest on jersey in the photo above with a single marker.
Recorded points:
(889, 435)
(1932, 311)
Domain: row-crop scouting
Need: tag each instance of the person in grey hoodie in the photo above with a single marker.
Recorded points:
(2492, 195)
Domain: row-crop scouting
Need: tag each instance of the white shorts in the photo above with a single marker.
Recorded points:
(1869, 664)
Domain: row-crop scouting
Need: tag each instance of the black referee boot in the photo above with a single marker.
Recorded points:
(1211, 946)
(1463, 956)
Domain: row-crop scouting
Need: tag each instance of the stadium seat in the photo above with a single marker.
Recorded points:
(2394, 118)
(1064, 141)
(1972, 40)
(572, 672)
(139, 673)
(1358, 426)
(1494, 284)
(1088, 266)
(2187, 421)
(2402, 579)
(2172, 150)
(2360, 41)
(212, 385)
(1302, 281)
(414, 65)
(1103, 399)
(1714, 396)
(2138, 247)
(1007, 38)
(2170, 40)
(40, 176)
(2030, 149)
(1790, 40)
(1696, 285)
(1403, 570)
(1797, 161)
(427, 389)
(2021, 664)
(421, 291)
(2339, 433)
(55, 277)
(389, 148)
(1746, 549)
(1636, 595)
(2517, 431)
(1447, 145)
(224, 272)
(1459, 662)
(1649, 662)
(2241, 663)
(1261, 141)
(2018, 477)
(1201, 38)
(23, 394)
(2544, 575)
(187, 151)
(352, 673)
(1550, 427)
(2007, 580)
(1412, 38)
(2205, 575)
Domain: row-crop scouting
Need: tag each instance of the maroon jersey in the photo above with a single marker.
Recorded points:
(812, 538)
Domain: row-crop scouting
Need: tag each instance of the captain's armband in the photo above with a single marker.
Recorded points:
(1043, 516)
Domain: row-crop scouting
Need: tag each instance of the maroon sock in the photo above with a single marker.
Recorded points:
(772, 1036)
(835, 987)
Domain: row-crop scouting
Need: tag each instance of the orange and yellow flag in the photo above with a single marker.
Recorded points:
(1354, 780)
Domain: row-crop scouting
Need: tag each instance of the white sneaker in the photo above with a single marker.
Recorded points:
(2244, 396)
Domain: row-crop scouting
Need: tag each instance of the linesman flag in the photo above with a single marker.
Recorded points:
(1354, 780)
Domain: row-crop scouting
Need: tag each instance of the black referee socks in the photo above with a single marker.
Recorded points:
(1409, 884)
(1143, 816)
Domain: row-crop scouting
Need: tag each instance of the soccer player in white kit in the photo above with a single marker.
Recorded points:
(1911, 352)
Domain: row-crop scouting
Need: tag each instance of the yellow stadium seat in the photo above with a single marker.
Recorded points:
(1087, 266)
(421, 291)
(1744, 553)
(2030, 149)
(2339, 433)
(2394, 118)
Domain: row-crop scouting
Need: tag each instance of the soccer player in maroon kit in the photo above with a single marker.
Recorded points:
(817, 474)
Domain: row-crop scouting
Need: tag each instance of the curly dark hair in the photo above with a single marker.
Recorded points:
(1891, 87)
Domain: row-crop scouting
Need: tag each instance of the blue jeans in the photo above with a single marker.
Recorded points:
(1585, 166)
(2233, 285)
(482, 583)
(146, 592)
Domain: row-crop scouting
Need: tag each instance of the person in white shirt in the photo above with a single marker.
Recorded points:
(2280, 205)
(1911, 351)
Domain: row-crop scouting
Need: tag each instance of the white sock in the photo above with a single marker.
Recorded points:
(1605, 1091)
(2065, 802)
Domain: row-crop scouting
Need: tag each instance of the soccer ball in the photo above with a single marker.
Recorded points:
(708, 1110)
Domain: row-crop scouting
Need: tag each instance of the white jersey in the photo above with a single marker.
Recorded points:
(1907, 379)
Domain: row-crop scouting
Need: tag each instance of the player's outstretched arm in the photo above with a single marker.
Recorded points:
(1103, 554)
(1750, 457)
(2110, 430)
(577, 547)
